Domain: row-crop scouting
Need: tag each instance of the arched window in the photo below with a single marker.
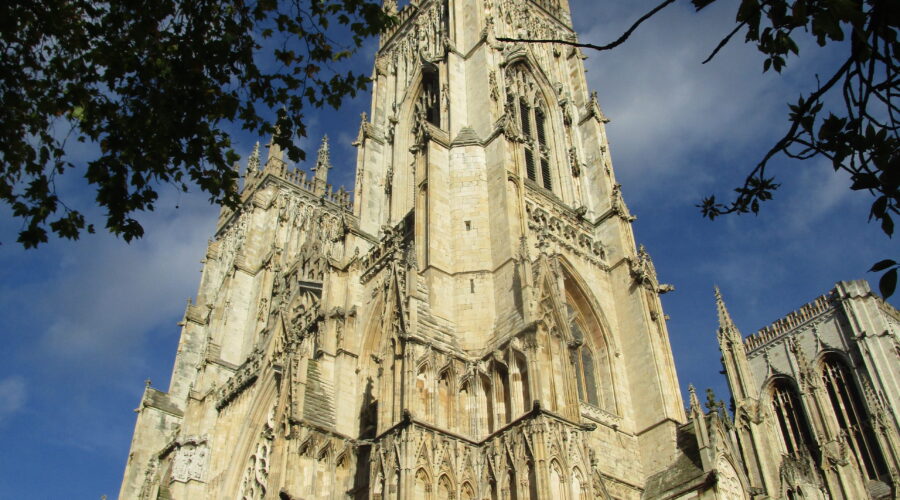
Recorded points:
(852, 416)
(423, 394)
(589, 348)
(578, 485)
(537, 153)
(520, 382)
(431, 98)
(342, 476)
(444, 402)
(501, 386)
(791, 420)
(464, 424)
(582, 359)
(524, 98)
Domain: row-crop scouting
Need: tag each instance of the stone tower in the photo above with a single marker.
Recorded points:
(816, 397)
(477, 323)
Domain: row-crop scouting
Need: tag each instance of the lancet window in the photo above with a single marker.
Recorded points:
(588, 350)
(852, 416)
(582, 359)
(430, 99)
(524, 98)
(795, 433)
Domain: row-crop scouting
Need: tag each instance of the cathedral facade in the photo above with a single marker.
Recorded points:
(475, 322)
(816, 395)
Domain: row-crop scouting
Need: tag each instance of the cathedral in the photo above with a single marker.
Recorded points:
(476, 321)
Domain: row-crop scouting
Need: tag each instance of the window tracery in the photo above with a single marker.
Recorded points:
(582, 359)
(524, 98)
(852, 417)
(792, 423)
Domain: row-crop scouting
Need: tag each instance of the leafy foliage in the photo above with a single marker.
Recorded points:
(861, 138)
(150, 84)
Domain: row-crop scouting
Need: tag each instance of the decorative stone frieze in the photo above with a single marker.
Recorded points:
(552, 223)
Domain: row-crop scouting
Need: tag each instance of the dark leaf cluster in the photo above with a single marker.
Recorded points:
(149, 85)
(860, 136)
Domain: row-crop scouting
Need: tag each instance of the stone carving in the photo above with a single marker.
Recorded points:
(644, 272)
(416, 39)
(256, 475)
(573, 162)
(727, 481)
(190, 461)
(617, 204)
(243, 378)
(551, 224)
(394, 243)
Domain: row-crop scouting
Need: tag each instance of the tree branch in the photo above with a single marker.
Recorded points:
(724, 42)
(611, 45)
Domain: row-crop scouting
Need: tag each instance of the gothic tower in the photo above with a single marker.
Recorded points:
(476, 323)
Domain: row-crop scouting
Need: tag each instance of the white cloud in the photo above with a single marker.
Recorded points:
(675, 119)
(110, 296)
(12, 396)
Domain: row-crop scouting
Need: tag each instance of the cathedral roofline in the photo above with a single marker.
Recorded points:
(810, 311)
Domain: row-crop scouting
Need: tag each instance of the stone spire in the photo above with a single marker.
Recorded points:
(734, 356)
(726, 325)
(694, 401)
(323, 165)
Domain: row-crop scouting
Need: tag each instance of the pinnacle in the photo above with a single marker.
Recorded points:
(324, 157)
(253, 160)
(725, 322)
(695, 402)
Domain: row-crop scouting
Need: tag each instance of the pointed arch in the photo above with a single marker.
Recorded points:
(591, 354)
(323, 480)
(520, 382)
(557, 483)
(502, 406)
(445, 399)
(467, 492)
(422, 485)
(465, 413)
(796, 435)
(851, 414)
(579, 491)
(422, 406)
(485, 405)
(510, 485)
(528, 102)
(250, 444)
(445, 488)
(342, 476)
(379, 364)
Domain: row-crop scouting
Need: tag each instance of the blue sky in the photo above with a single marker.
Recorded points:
(85, 323)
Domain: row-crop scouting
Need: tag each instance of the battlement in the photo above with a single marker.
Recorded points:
(805, 313)
(298, 177)
(403, 15)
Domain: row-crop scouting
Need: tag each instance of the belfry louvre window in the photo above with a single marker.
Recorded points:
(537, 153)
(790, 417)
(852, 416)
